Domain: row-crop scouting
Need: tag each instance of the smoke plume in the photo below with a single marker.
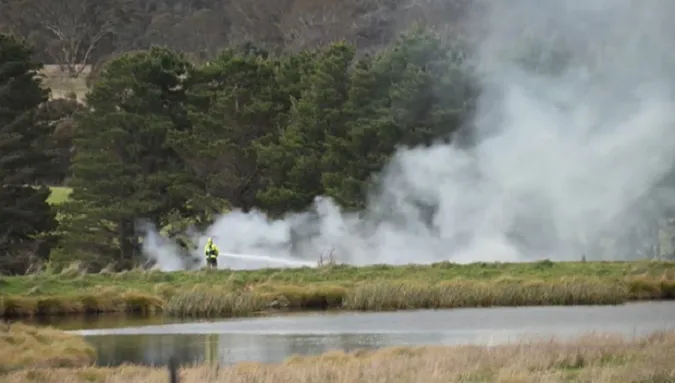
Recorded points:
(573, 127)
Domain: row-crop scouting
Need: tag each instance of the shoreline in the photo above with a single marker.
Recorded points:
(226, 294)
(56, 357)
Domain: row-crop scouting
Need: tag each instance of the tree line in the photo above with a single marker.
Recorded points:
(90, 32)
(162, 138)
(176, 142)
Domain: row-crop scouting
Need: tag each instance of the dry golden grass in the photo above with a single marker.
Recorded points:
(203, 301)
(396, 296)
(103, 300)
(24, 346)
(593, 358)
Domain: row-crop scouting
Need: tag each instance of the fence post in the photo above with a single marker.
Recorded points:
(173, 370)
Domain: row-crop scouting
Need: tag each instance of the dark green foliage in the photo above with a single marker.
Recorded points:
(123, 169)
(25, 216)
(20, 96)
(234, 101)
(60, 113)
(413, 93)
(294, 162)
(176, 144)
(277, 119)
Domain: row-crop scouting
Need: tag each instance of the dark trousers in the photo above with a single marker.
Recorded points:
(212, 262)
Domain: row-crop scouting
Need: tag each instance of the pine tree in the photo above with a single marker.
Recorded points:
(124, 170)
(25, 216)
(60, 113)
(234, 102)
(347, 160)
(413, 93)
(294, 163)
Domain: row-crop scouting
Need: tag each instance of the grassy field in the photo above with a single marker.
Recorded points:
(59, 195)
(23, 346)
(225, 293)
(592, 358)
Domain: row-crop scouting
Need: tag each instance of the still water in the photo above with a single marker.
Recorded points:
(273, 339)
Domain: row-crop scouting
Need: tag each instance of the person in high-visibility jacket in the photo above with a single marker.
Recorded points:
(211, 254)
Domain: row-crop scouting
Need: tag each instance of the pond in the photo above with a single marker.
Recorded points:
(152, 341)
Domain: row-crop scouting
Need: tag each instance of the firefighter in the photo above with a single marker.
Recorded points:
(211, 254)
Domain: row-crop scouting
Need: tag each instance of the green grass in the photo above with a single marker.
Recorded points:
(226, 293)
(72, 280)
(59, 195)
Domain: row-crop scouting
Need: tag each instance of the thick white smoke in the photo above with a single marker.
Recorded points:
(569, 137)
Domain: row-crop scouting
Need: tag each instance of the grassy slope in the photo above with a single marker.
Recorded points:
(599, 358)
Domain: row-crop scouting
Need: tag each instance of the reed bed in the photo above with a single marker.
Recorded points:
(23, 346)
(209, 301)
(399, 296)
(102, 301)
(241, 293)
(215, 303)
(593, 358)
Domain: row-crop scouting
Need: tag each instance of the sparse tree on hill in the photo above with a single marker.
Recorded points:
(73, 28)
(257, 20)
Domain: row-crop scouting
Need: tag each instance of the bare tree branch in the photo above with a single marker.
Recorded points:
(77, 27)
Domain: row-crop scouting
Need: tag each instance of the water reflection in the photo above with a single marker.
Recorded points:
(103, 321)
(273, 339)
(155, 350)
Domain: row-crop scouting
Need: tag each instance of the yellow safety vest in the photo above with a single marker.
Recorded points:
(210, 251)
